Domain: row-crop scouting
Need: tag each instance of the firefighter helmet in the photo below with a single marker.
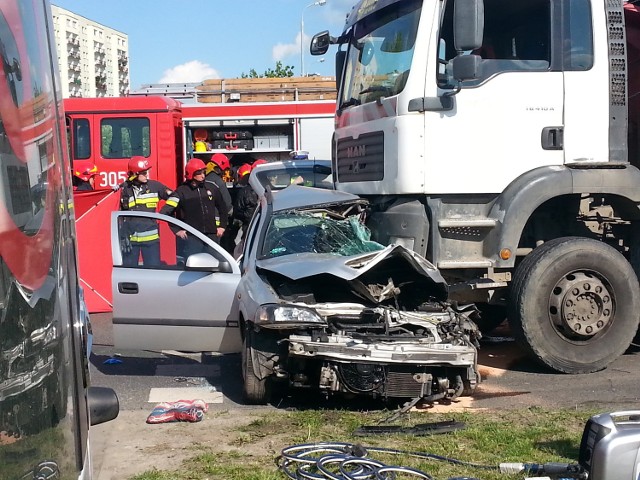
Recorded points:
(244, 170)
(84, 169)
(138, 164)
(193, 165)
(221, 160)
(260, 161)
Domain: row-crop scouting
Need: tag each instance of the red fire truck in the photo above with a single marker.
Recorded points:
(108, 131)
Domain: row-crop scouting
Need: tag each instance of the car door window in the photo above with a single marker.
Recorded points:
(252, 235)
(152, 243)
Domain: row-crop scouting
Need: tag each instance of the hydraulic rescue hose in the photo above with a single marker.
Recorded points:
(346, 461)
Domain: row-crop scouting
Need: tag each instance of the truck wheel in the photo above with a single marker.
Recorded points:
(574, 304)
(255, 391)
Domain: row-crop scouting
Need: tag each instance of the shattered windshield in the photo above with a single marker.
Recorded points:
(303, 232)
(379, 54)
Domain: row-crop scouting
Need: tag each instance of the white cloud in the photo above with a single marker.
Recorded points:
(189, 72)
(283, 50)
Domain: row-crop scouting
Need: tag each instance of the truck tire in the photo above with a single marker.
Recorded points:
(255, 390)
(574, 304)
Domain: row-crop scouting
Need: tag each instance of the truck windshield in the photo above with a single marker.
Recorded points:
(379, 54)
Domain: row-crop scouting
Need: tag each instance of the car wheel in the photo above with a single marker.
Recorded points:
(255, 390)
(574, 304)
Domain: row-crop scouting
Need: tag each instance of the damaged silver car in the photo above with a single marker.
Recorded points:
(313, 303)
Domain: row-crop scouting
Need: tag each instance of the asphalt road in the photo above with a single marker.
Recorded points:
(126, 446)
(509, 379)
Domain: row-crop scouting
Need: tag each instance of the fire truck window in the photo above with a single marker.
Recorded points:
(81, 139)
(125, 137)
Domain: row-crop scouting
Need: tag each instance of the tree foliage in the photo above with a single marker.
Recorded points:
(280, 71)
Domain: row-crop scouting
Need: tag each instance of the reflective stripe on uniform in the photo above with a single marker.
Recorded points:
(148, 200)
(173, 201)
(146, 236)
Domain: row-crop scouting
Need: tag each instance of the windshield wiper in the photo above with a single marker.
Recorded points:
(349, 103)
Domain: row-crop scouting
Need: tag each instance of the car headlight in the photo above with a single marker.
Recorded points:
(287, 314)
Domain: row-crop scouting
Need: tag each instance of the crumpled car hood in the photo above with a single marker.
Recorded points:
(393, 272)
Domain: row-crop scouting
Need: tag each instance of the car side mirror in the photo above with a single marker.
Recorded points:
(204, 262)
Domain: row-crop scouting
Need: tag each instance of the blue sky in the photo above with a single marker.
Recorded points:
(177, 41)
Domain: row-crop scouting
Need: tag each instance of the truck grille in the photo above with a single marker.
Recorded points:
(361, 160)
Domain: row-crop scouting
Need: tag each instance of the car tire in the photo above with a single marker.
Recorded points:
(574, 304)
(255, 391)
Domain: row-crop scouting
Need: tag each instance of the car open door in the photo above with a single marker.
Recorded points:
(183, 299)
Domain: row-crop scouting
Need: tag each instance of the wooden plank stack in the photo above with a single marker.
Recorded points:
(284, 89)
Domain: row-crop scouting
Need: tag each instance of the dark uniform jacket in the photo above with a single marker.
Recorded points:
(198, 205)
(214, 178)
(245, 205)
(142, 197)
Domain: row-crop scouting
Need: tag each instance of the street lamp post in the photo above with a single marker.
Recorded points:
(318, 3)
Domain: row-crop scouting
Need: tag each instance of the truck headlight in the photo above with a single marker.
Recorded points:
(287, 314)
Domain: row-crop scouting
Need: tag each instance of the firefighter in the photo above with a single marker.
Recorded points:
(246, 202)
(84, 173)
(197, 203)
(217, 167)
(140, 236)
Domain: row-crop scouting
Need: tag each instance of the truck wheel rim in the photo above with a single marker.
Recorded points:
(581, 305)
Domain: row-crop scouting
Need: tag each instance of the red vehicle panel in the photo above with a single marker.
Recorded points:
(108, 131)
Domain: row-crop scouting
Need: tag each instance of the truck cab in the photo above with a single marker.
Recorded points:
(108, 131)
(484, 133)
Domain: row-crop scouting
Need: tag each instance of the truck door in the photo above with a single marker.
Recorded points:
(109, 140)
(185, 301)
(586, 123)
(510, 119)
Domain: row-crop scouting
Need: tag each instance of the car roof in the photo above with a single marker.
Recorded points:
(259, 175)
(296, 196)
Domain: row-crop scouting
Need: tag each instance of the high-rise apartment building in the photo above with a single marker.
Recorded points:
(93, 59)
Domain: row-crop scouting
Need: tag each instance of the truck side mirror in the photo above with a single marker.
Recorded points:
(320, 43)
(466, 67)
(468, 24)
(103, 404)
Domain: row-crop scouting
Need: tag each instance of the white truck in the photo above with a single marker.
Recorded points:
(499, 139)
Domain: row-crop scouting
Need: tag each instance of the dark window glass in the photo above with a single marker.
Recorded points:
(517, 37)
(578, 51)
(125, 137)
(81, 139)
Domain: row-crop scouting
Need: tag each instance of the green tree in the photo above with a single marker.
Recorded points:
(279, 71)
